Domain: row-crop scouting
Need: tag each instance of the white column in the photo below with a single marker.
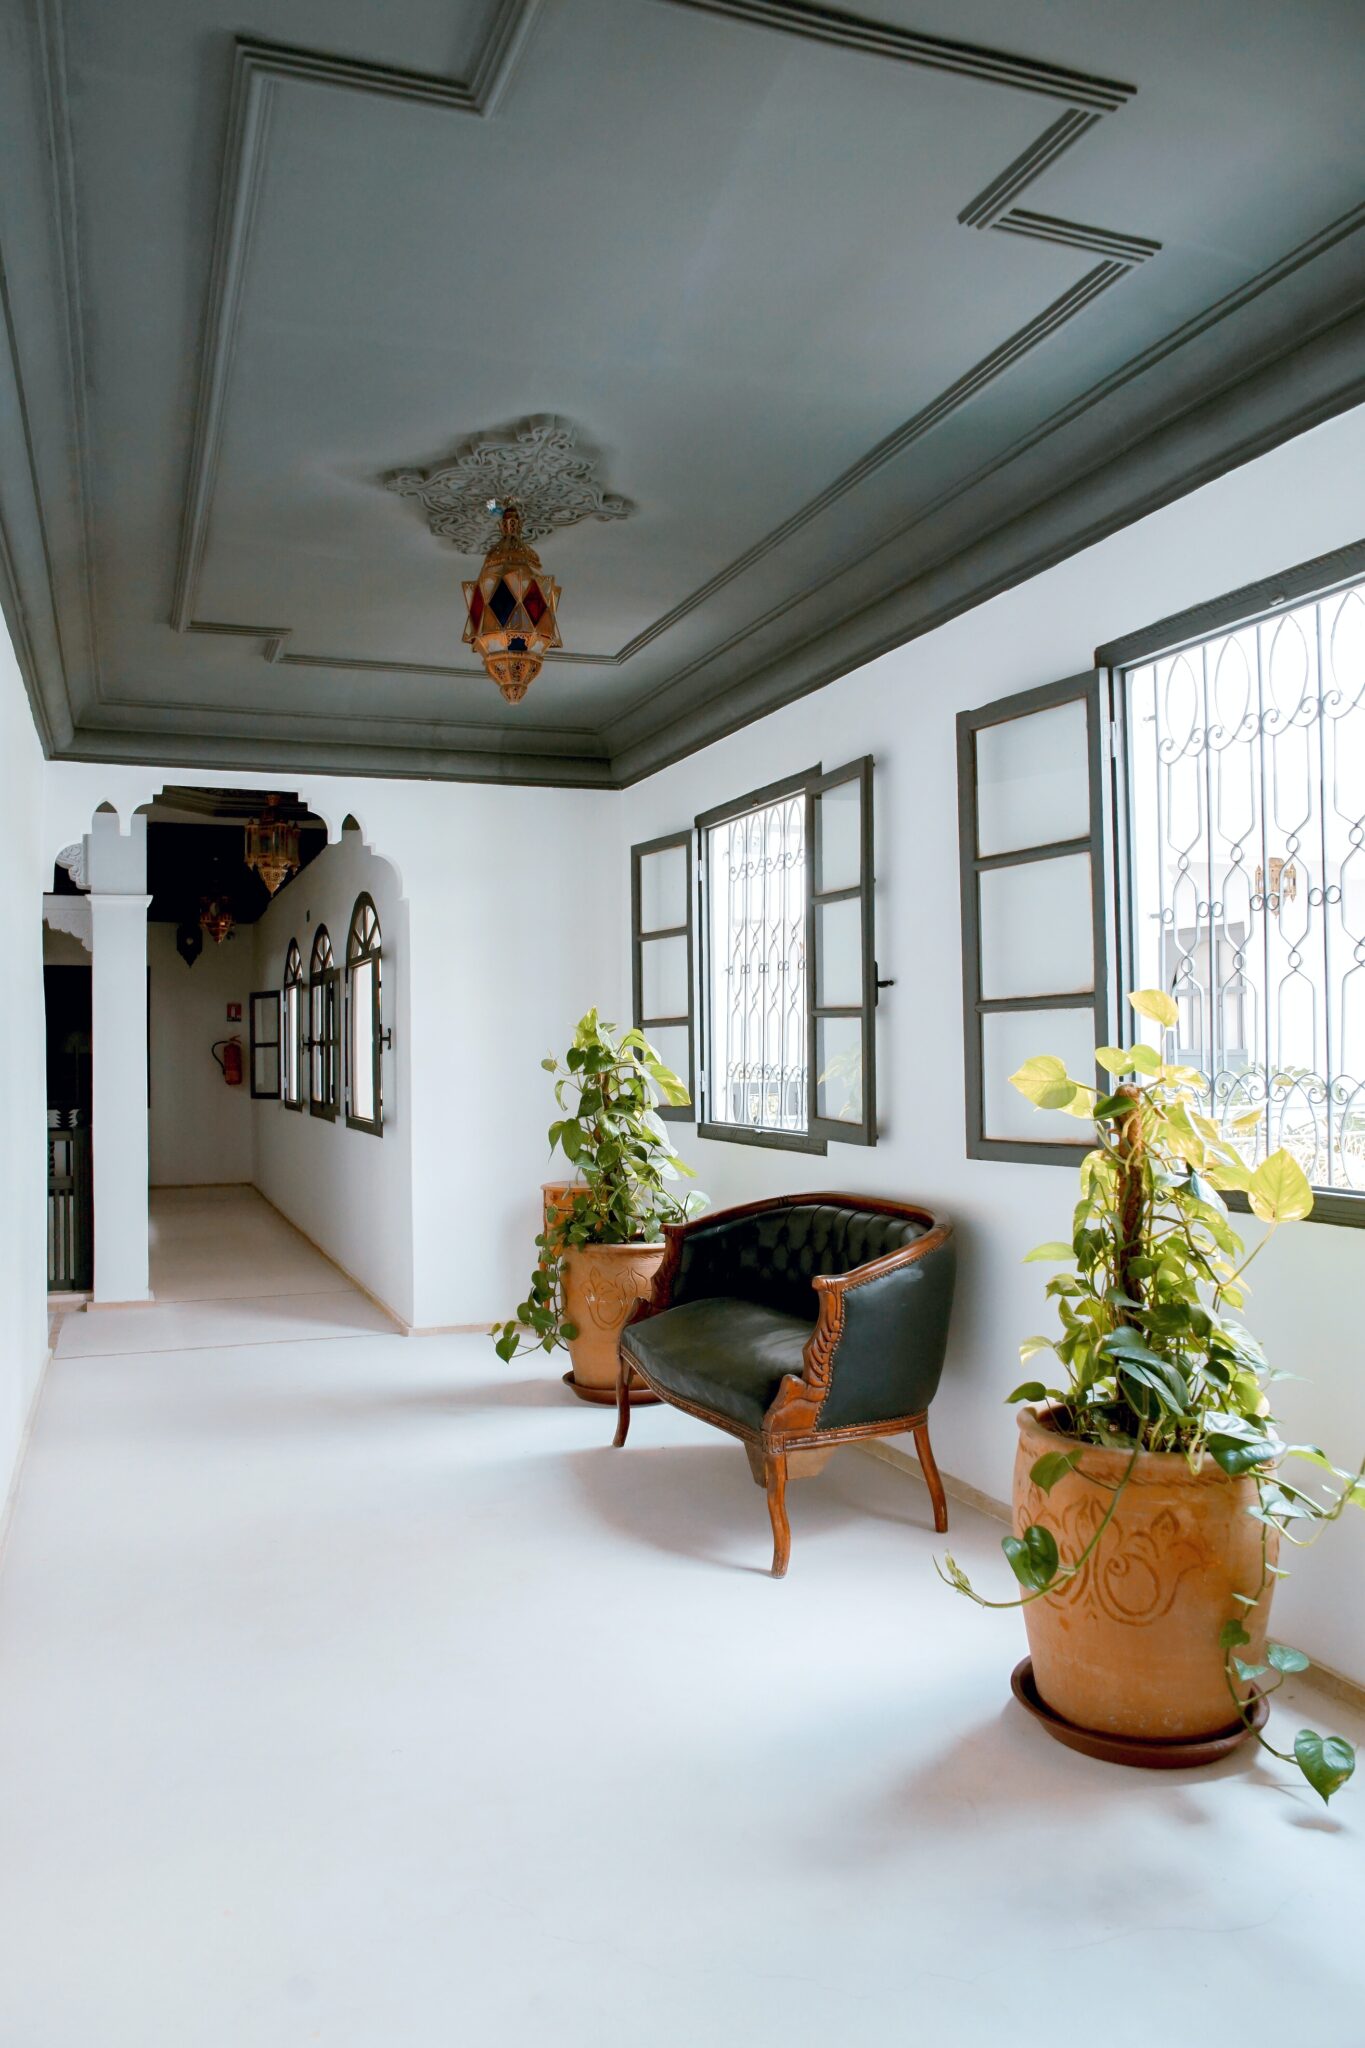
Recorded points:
(119, 1083)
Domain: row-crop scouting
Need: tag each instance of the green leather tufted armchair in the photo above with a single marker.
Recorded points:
(798, 1324)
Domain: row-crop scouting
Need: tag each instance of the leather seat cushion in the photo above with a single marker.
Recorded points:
(721, 1355)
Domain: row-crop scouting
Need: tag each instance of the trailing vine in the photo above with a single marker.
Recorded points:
(1154, 1357)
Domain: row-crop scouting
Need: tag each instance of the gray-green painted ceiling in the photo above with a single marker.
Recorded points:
(866, 316)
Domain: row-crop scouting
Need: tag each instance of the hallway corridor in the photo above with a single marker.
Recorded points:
(226, 1268)
(353, 1691)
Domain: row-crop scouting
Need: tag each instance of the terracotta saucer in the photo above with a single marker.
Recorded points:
(640, 1397)
(1131, 1749)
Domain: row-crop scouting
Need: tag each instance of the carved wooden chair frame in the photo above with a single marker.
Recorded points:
(790, 1444)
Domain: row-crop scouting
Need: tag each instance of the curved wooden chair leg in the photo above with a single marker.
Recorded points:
(932, 1480)
(775, 1474)
(622, 1402)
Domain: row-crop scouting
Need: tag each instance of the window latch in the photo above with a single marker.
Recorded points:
(878, 983)
(386, 1039)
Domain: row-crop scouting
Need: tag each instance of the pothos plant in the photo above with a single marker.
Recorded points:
(608, 1090)
(1153, 1356)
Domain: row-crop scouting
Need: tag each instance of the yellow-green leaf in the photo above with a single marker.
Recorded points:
(1155, 1003)
(1053, 1249)
(1044, 1080)
(1146, 1059)
(1279, 1190)
(1113, 1059)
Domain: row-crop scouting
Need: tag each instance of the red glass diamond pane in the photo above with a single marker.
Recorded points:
(476, 608)
(533, 604)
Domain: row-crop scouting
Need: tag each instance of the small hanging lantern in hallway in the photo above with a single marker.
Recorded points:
(512, 623)
(217, 918)
(272, 846)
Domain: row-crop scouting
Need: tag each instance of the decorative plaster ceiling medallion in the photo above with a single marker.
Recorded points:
(536, 467)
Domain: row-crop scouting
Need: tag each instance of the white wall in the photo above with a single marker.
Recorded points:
(201, 1130)
(1288, 506)
(349, 1191)
(23, 1062)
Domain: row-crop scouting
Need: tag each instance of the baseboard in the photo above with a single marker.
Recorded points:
(1333, 1684)
(956, 1489)
(16, 1477)
(450, 1329)
(403, 1327)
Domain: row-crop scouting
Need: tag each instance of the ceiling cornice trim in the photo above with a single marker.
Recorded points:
(831, 25)
(243, 162)
(143, 745)
(257, 68)
(1307, 383)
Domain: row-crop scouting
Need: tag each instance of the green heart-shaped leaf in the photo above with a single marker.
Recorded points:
(1326, 1764)
(1033, 1557)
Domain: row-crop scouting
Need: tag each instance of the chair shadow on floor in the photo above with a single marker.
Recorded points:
(699, 1500)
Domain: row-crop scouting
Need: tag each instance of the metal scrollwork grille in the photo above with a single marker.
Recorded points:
(1247, 796)
(756, 865)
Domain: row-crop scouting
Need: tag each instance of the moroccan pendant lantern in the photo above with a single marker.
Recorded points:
(272, 846)
(512, 623)
(217, 918)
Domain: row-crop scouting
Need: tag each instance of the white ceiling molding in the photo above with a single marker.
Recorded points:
(73, 859)
(537, 467)
(70, 914)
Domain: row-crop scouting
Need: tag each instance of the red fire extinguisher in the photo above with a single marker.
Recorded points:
(231, 1061)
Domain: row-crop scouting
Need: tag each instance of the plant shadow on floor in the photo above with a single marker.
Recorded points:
(699, 1500)
(1006, 1771)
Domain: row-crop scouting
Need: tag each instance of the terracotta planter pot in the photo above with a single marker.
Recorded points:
(602, 1283)
(1130, 1646)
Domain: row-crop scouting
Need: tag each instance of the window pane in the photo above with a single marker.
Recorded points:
(670, 1042)
(839, 1068)
(1037, 937)
(362, 1041)
(838, 837)
(839, 953)
(663, 977)
(1033, 780)
(1247, 777)
(663, 889)
(756, 884)
(292, 1075)
(1008, 1038)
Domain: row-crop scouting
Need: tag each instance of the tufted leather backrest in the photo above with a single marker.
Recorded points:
(772, 1257)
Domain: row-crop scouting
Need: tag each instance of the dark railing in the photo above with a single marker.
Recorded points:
(70, 1211)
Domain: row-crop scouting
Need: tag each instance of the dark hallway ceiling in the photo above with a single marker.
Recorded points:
(855, 320)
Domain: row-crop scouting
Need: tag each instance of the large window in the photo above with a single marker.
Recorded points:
(293, 1033)
(788, 977)
(1190, 816)
(1246, 811)
(364, 1080)
(323, 1048)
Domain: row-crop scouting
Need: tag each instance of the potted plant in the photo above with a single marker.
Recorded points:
(1151, 1496)
(603, 1232)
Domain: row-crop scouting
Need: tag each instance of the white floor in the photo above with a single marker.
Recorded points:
(354, 1691)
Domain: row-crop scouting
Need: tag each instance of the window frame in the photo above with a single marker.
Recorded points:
(359, 954)
(324, 982)
(810, 784)
(258, 1044)
(840, 1130)
(1092, 688)
(1248, 605)
(293, 1035)
(639, 853)
(722, 814)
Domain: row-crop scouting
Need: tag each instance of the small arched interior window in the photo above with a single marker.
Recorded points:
(364, 1041)
(323, 1037)
(293, 1034)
